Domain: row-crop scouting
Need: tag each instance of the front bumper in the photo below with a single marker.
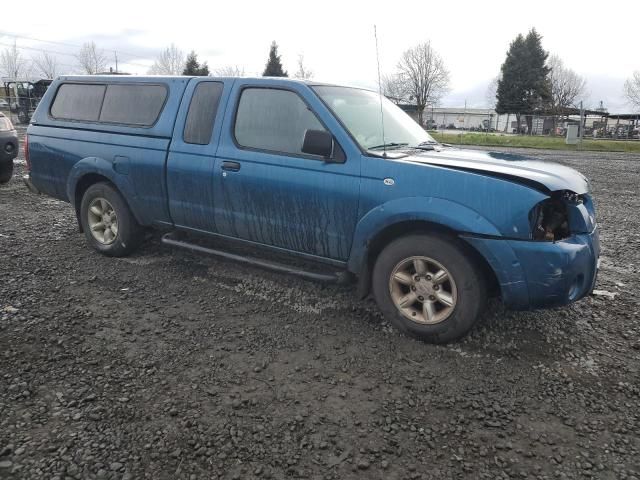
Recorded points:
(542, 274)
(8, 145)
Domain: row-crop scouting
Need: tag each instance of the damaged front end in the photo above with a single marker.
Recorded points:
(557, 264)
(560, 216)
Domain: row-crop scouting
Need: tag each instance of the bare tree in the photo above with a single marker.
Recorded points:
(170, 62)
(12, 63)
(632, 89)
(47, 65)
(567, 87)
(492, 100)
(229, 71)
(303, 73)
(426, 75)
(492, 90)
(396, 88)
(91, 59)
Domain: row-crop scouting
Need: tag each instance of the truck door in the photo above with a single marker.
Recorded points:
(267, 190)
(191, 159)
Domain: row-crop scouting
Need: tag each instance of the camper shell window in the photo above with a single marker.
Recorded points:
(137, 105)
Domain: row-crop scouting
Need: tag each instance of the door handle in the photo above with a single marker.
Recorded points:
(230, 166)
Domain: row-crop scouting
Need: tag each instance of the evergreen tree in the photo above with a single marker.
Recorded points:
(193, 68)
(524, 86)
(274, 65)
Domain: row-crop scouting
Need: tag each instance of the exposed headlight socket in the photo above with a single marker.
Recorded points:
(549, 219)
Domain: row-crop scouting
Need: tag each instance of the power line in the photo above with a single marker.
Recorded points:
(39, 49)
(8, 34)
(63, 53)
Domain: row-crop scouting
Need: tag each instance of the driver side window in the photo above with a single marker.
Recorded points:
(274, 120)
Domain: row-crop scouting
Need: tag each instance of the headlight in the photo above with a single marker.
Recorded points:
(549, 219)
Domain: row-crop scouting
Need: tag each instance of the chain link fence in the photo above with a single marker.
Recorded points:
(623, 127)
(593, 123)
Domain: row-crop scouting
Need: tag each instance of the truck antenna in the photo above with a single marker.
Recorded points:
(384, 145)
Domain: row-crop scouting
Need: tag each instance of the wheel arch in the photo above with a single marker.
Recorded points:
(389, 222)
(90, 171)
(413, 227)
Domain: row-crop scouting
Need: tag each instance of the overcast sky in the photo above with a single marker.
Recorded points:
(336, 37)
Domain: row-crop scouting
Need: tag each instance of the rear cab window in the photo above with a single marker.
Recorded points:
(201, 116)
(137, 105)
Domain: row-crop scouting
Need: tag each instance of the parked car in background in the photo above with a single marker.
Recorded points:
(4, 105)
(8, 148)
(305, 170)
(621, 131)
(23, 96)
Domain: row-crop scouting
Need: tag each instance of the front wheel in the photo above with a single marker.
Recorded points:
(108, 224)
(6, 171)
(429, 287)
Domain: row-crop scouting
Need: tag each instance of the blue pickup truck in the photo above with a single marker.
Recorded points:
(331, 175)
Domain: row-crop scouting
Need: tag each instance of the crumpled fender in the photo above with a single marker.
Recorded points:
(444, 212)
(506, 266)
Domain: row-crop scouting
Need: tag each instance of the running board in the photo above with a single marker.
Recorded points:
(338, 277)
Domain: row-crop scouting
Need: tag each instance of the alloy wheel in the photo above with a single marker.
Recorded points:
(103, 221)
(423, 290)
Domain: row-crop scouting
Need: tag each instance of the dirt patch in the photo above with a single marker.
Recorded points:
(170, 365)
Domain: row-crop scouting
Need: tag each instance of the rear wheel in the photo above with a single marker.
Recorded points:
(429, 287)
(108, 224)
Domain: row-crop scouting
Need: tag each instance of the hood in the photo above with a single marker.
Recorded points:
(543, 176)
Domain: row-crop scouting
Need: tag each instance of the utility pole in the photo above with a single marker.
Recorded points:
(116, 55)
(582, 122)
(464, 118)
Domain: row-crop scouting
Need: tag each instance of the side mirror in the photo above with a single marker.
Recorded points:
(318, 142)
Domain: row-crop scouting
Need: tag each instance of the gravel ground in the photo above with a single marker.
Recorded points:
(171, 365)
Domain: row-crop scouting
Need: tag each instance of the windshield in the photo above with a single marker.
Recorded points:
(359, 112)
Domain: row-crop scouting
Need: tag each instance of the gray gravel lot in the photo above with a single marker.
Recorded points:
(171, 365)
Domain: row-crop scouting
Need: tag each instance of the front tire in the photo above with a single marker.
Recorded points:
(6, 171)
(429, 287)
(108, 224)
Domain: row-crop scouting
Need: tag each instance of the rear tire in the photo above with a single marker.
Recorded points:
(107, 222)
(6, 171)
(429, 287)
